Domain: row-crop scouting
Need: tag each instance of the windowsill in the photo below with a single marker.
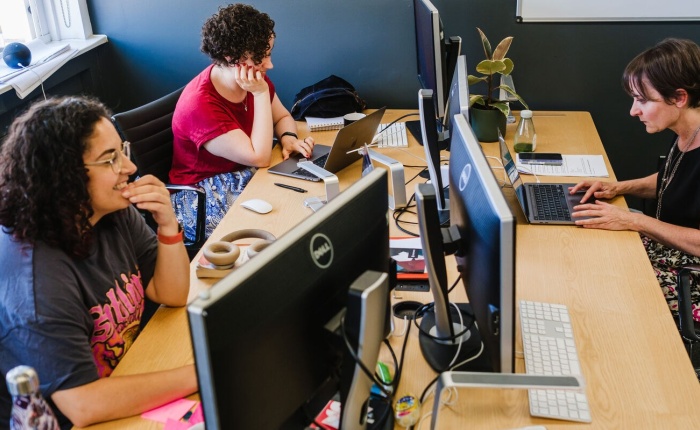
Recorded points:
(81, 45)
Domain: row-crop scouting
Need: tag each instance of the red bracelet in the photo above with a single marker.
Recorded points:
(171, 240)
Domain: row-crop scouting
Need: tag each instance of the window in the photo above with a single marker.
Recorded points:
(48, 20)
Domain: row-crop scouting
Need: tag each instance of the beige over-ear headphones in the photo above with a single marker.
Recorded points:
(224, 253)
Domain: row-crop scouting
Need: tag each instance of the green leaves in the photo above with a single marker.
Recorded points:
(490, 67)
(496, 62)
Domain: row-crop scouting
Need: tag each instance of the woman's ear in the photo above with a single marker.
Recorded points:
(680, 99)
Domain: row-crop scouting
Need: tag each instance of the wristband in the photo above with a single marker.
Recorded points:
(171, 240)
(288, 133)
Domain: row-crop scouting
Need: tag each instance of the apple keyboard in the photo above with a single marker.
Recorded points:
(549, 349)
(393, 136)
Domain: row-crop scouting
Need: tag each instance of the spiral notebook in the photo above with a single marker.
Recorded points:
(320, 124)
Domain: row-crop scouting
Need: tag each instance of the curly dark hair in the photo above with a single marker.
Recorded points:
(235, 31)
(670, 65)
(43, 181)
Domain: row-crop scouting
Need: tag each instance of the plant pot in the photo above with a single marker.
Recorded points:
(486, 123)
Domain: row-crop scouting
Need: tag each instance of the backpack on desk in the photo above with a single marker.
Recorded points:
(328, 98)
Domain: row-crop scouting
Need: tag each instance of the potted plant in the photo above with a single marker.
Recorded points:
(488, 113)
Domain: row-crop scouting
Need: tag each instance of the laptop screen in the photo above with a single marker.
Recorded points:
(513, 174)
(509, 164)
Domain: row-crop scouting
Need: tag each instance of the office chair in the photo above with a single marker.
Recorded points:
(149, 129)
(690, 330)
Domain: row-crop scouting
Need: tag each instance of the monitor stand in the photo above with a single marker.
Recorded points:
(414, 128)
(439, 354)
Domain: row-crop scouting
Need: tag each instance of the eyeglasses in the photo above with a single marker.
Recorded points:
(115, 158)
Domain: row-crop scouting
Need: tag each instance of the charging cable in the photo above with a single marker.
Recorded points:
(41, 81)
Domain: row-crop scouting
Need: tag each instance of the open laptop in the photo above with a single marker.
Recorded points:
(334, 158)
(542, 203)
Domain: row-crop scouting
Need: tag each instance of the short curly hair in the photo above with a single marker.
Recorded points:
(670, 65)
(236, 31)
(43, 181)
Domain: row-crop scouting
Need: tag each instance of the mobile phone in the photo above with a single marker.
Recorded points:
(549, 158)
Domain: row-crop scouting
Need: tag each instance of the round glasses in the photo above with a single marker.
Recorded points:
(115, 159)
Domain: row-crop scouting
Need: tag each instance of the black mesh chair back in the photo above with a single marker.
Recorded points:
(149, 129)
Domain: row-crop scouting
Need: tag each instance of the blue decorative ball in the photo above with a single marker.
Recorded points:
(17, 55)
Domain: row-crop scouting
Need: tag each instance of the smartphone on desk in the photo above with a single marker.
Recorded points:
(548, 158)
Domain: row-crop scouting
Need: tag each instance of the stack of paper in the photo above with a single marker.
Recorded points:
(46, 59)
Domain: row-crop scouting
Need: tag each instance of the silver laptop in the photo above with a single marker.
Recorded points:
(334, 158)
(542, 203)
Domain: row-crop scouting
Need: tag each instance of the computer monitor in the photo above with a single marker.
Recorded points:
(435, 56)
(431, 146)
(265, 339)
(482, 237)
(458, 95)
(457, 103)
(447, 336)
(486, 249)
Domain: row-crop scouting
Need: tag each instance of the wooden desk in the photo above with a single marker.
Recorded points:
(637, 372)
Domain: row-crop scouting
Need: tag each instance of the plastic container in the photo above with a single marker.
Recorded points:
(525, 137)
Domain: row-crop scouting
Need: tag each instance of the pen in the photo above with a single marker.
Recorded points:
(189, 413)
(289, 187)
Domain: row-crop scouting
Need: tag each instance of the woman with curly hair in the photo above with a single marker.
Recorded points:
(78, 262)
(225, 118)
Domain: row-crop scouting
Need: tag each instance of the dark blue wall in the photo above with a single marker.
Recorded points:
(154, 48)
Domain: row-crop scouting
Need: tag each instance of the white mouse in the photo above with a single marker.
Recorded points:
(257, 205)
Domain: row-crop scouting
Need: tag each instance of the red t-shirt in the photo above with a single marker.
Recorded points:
(201, 115)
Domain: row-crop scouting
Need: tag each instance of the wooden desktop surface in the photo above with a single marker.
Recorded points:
(636, 370)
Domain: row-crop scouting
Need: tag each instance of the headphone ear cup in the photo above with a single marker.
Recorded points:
(256, 247)
(221, 253)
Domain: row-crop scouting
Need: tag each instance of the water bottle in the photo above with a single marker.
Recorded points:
(29, 409)
(525, 136)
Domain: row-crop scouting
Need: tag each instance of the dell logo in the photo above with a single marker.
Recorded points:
(321, 250)
(464, 177)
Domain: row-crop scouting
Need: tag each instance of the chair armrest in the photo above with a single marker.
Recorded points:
(685, 305)
(200, 226)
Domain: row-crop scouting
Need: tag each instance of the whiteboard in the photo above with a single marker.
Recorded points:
(607, 10)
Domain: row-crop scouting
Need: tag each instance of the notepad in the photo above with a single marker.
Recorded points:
(573, 165)
(320, 124)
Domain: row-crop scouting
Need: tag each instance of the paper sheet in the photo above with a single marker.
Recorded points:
(573, 165)
(173, 410)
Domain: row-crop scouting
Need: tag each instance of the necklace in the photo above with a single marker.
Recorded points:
(668, 177)
(245, 102)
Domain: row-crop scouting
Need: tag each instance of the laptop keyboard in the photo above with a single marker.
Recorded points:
(550, 202)
(320, 162)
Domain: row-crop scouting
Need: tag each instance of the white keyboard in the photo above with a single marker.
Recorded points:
(549, 349)
(392, 137)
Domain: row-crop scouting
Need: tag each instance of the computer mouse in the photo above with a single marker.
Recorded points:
(257, 205)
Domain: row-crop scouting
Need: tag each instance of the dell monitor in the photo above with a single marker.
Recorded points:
(482, 237)
(435, 57)
(267, 346)
(486, 250)
(426, 109)
(447, 336)
(457, 104)
(458, 96)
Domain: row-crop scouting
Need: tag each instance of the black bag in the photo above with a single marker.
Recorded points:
(328, 98)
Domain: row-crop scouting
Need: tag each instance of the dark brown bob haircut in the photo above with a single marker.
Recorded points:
(671, 65)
